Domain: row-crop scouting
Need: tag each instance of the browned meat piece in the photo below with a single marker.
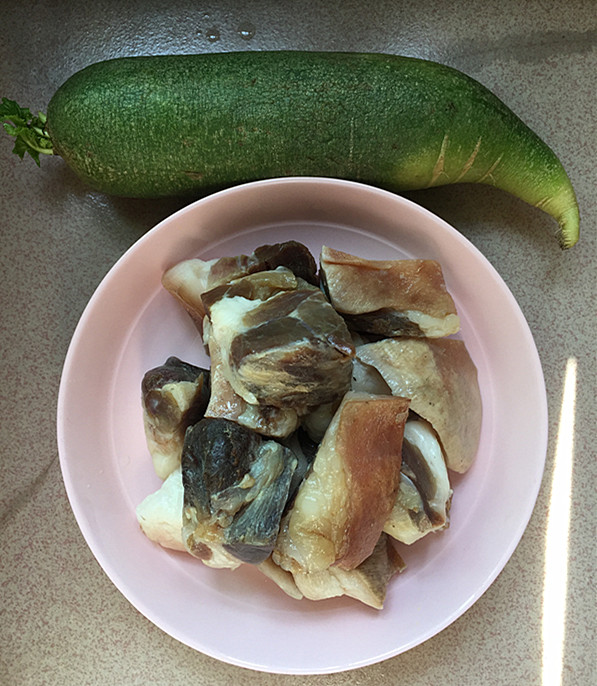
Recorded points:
(341, 507)
(389, 297)
(440, 378)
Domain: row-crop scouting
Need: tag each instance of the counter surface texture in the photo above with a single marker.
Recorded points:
(62, 621)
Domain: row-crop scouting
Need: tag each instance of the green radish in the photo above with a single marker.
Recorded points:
(177, 124)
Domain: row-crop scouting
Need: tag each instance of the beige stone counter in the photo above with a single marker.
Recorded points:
(62, 622)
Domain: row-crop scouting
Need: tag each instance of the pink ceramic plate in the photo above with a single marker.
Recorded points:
(131, 324)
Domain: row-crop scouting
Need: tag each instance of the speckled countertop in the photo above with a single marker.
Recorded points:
(61, 620)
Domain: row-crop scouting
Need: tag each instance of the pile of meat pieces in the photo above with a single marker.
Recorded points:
(336, 403)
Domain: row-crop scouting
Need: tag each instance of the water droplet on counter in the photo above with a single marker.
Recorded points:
(212, 35)
(246, 30)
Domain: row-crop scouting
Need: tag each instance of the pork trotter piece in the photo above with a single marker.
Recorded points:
(236, 484)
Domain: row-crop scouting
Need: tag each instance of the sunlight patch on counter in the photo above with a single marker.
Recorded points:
(556, 540)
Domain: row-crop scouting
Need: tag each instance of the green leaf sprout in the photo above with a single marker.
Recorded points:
(29, 130)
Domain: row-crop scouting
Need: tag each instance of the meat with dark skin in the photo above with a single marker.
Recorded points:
(159, 406)
(236, 485)
(227, 404)
(291, 254)
(287, 347)
(188, 280)
(175, 395)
